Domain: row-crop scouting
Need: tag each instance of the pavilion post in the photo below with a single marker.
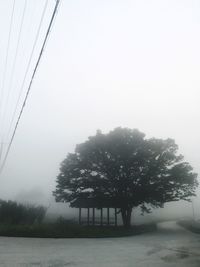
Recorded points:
(88, 216)
(101, 218)
(93, 216)
(115, 216)
(79, 216)
(108, 216)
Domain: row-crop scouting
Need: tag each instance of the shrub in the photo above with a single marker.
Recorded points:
(12, 212)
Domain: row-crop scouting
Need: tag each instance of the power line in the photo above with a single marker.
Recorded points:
(14, 63)
(6, 58)
(30, 84)
(28, 66)
(1, 150)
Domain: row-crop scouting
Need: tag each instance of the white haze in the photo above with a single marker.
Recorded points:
(131, 63)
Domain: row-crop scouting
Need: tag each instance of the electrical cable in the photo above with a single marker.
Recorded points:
(30, 84)
(28, 66)
(14, 63)
(6, 59)
(1, 150)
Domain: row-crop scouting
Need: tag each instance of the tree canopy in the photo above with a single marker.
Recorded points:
(123, 169)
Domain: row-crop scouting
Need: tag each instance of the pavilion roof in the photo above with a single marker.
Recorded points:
(95, 203)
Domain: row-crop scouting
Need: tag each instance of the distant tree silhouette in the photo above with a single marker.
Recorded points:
(12, 212)
(125, 170)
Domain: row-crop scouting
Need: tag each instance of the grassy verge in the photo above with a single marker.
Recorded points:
(193, 226)
(54, 230)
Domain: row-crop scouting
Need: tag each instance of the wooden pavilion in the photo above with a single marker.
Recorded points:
(93, 204)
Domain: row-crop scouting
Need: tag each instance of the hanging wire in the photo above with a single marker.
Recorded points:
(13, 67)
(30, 84)
(27, 68)
(6, 62)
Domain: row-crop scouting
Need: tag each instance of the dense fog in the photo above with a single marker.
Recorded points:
(110, 63)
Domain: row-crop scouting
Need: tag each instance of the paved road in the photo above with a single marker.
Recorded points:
(169, 246)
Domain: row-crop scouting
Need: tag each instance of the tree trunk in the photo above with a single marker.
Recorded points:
(126, 216)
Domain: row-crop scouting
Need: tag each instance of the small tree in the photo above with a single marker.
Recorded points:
(12, 212)
(126, 170)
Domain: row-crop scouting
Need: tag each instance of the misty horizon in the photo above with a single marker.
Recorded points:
(131, 64)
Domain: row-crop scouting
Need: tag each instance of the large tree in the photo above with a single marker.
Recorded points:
(125, 170)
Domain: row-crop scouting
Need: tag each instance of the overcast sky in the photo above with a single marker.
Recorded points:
(130, 63)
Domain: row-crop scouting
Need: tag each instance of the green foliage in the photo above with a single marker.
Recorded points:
(123, 169)
(14, 213)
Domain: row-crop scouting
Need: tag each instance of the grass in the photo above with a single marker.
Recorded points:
(71, 230)
(18, 220)
(193, 226)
